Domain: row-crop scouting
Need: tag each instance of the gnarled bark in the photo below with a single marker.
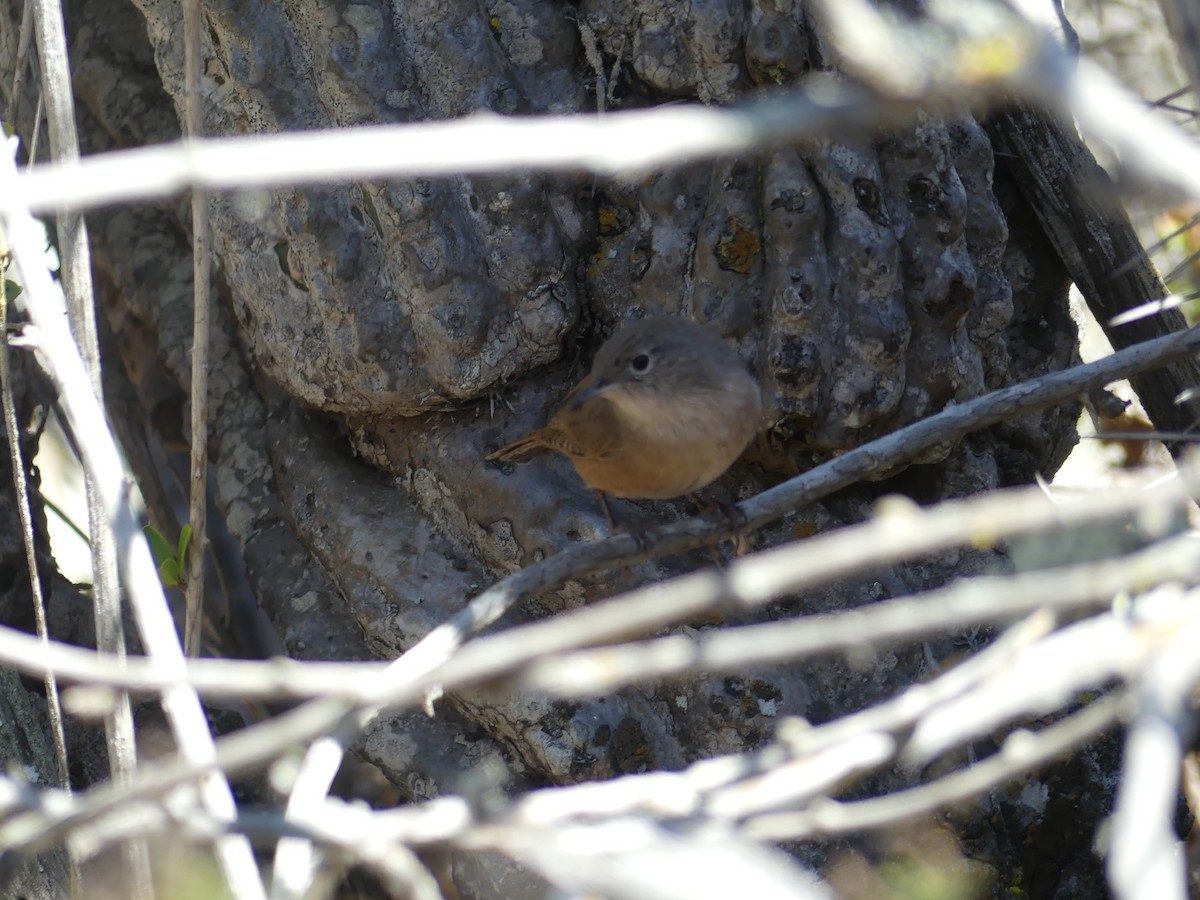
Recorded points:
(376, 340)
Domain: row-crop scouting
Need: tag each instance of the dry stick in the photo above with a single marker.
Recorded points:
(61, 515)
(76, 275)
(60, 358)
(895, 535)
(1020, 753)
(53, 701)
(297, 859)
(483, 143)
(725, 789)
(18, 83)
(1183, 22)
(620, 142)
(407, 677)
(25, 513)
(983, 600)
(38, 109)
(753, 787)
(198, 467)
(871, 459)
(237, 857)
(807, 564)
(1143, 858)
(729, 789)
(1075, 203)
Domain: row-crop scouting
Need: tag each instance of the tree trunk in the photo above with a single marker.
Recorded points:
(373, 342)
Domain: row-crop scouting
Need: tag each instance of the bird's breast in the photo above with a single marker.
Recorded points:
(664, 445)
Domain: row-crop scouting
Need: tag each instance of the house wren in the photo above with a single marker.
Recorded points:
(666, 409)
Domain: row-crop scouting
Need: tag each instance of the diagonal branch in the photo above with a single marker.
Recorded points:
(60, 357)
(76, 274)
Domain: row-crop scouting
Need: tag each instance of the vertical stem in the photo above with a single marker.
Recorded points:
(25, 514)
(233, 851)
(198, 467)
(77, 282)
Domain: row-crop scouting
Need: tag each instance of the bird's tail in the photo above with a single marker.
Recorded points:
(530, 445)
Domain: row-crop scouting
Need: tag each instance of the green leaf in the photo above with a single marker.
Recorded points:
(185, 538)
(12, 290)
(169, 574)
(159, 546)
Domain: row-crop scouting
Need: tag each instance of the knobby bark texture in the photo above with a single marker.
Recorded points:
(373, 342)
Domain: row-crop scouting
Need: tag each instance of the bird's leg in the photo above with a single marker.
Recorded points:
(735, 520)
(608, 516)
(638, 534)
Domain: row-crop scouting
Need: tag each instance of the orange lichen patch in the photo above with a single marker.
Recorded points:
(739, 247)
(610, 220)
(804, 529)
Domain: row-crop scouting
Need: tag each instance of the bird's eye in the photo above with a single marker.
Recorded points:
(640, 364)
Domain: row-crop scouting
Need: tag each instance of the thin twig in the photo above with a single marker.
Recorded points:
(1172, 95)
(755, 579)
(60, 357)
(619, 142)
(62, 516)
(76, 274)
(408, 678)
(23, 44)
(1150, 308)
(198, 468)
(261, 742)
(296, 858)
(1143, 858)
(979, 600)
(483, 143)
(616, 142)
(38, 110)
(1148, 146)
(1021, 752)
(25, 513)
(237, 857)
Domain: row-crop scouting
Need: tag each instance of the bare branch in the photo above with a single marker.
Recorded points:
(61, 359)
(1021, 752)
(696, 821)
(901, 531)
(198, 470)
(25, 514)
(1144, 858)
(976, 601)
(614, 143)
(75, 253)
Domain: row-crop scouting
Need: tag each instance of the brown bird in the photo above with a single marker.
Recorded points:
(666, 409)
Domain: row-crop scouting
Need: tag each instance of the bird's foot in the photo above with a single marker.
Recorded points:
(732, 517)
(637, 531)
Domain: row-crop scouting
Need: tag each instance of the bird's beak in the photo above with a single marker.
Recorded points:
(586, 392)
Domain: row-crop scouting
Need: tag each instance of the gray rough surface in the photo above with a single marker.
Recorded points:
(421, 324)
(386, 298)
